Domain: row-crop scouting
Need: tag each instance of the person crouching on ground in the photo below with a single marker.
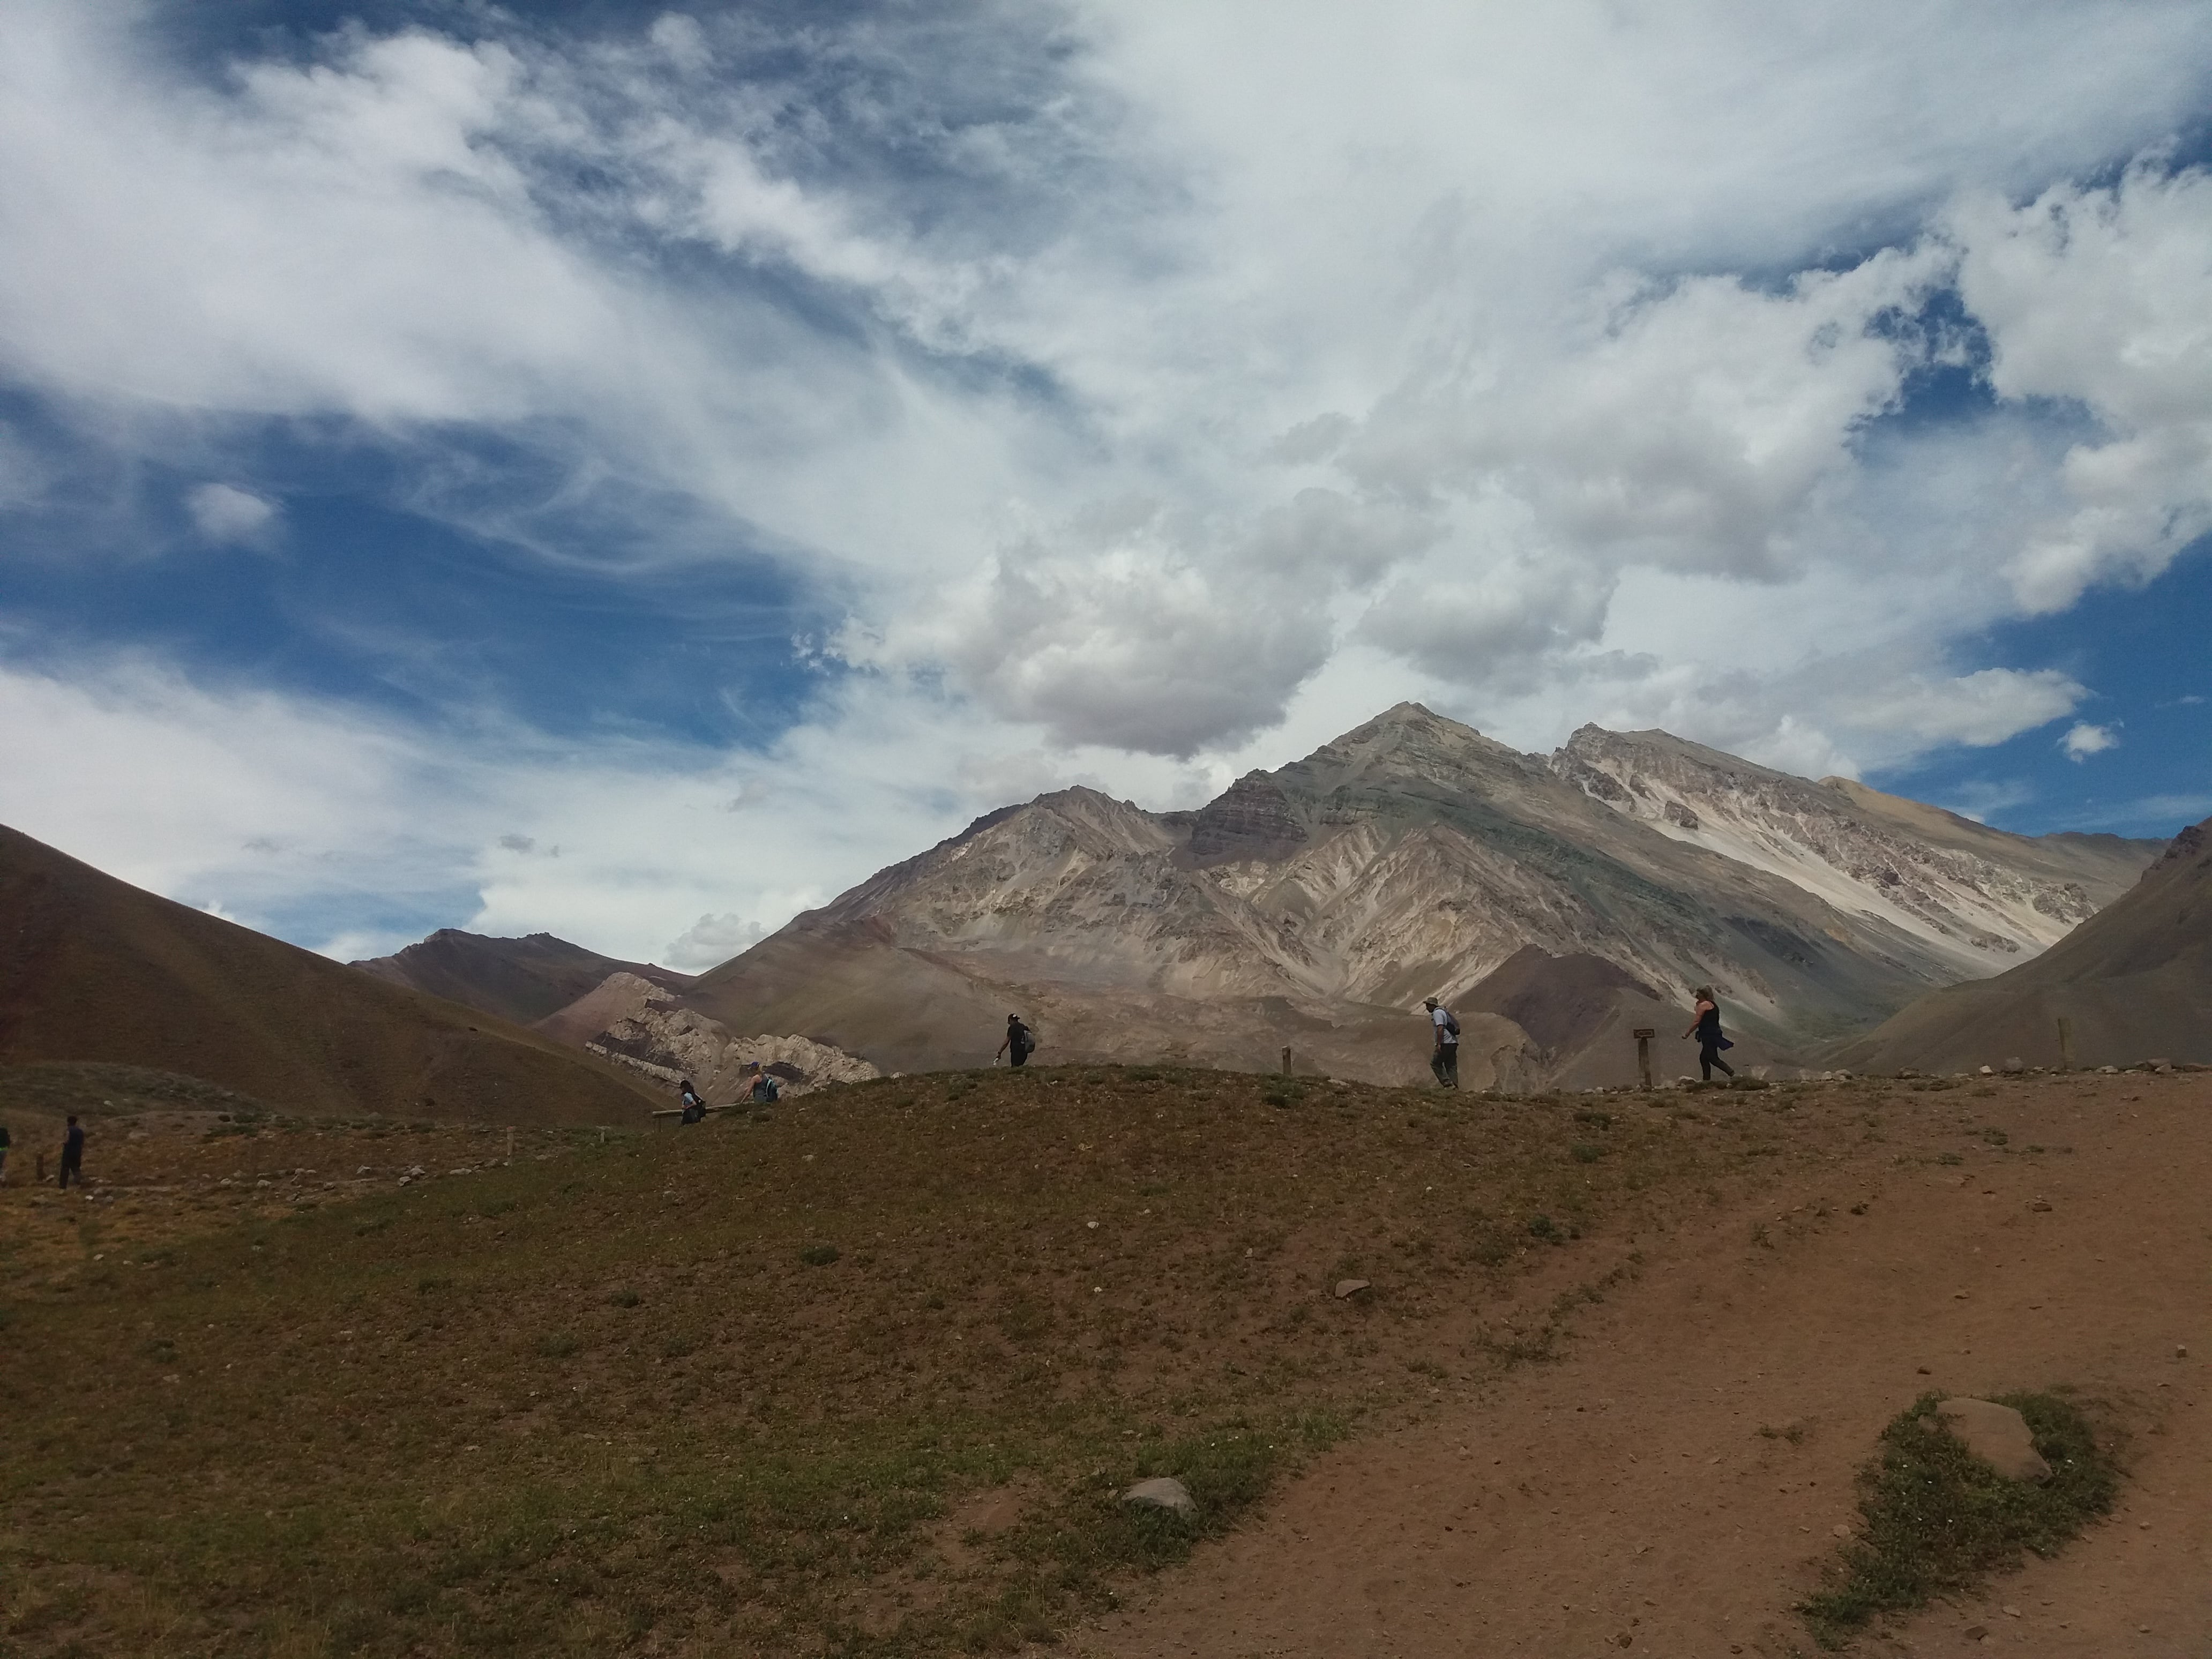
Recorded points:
(1444, 1062)
(1706, 1026)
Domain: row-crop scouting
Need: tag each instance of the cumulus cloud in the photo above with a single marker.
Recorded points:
(2097, 298)
(712, 941)
(2082, 740)
(1154, 394)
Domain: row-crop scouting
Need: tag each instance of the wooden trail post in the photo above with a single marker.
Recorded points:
(1286, 1062)
(1643, 1035)
(2065, 1043)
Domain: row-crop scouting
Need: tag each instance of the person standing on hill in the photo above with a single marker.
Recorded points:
(1706, 1026)
(695, 1109)
(1020, 1042)
(1444, 1062)
(73, 1153)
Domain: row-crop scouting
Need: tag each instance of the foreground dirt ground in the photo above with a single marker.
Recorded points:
(1673, 1486)
(1621, 1359)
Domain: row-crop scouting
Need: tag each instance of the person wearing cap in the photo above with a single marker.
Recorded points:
(1444, 1062)
(1020, 1039)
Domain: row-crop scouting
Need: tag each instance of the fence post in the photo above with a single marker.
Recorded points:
(1643, 1035)
(1286, 1062)
(2065, 1043)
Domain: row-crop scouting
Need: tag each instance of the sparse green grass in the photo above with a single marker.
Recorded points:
(1935, 1520)
(634, 1397)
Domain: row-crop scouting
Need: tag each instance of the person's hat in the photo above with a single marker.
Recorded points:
(1429, 1002)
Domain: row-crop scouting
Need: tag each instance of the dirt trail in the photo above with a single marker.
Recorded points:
(1626, 1499)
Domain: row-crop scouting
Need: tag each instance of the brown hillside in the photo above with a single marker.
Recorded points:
(2134, 982)
(92, 969)
(522, 979)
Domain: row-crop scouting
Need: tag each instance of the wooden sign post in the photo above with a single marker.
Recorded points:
(1643, 1035)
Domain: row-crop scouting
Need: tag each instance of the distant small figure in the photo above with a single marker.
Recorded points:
(3, 1154)
(695, 1109)
(766, 1090)
(1444, 1062)
(73, 1153)
(1706, 1028)
(1021, 1042)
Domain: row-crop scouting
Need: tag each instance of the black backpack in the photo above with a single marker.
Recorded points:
(1450, 1025)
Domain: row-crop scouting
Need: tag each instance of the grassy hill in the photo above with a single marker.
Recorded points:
(862, 1376)
(92, 970)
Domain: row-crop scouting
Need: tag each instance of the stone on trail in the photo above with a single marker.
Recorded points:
(1997, 1435)
(1348, 1288)
(1162, 1492)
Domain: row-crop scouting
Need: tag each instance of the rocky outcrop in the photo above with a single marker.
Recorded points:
(643, 1029)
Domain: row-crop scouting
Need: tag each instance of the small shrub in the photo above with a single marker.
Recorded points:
(1594, 1120)
(1543, 1227)
(818, 1255)
(557, 1345)
(1585, 1153)
(622, 1298)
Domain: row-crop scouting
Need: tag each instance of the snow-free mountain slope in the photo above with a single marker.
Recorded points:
(1979, 898)
(522, 979)
(93, 969)
(2133, 982)
(1312, 906)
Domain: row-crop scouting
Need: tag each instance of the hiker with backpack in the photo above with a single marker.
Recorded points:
(1706, 1026)
(1444, 1062)
(1021, 1042)
(765, 1090)
(695, 1109)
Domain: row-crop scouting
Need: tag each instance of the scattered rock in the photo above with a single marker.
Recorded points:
(2181, 1350)
(1162, 1492)
(1348, 1288)
(1977, 1632)
(2014, 1063)
(1843, 1529)
(2040, 1204)
(1997, 1435)
(2108, 1071)
(1989, 1071)
(2160, 1065)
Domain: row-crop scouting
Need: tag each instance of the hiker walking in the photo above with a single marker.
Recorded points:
(1444, 1062)
(1706, 1026)
(765, 1089)
(73, 1153)
(695, 1109)
(1020, 1042)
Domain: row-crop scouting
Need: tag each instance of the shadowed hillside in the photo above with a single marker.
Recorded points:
(521, 980)
(2133, 982)
(92, 969)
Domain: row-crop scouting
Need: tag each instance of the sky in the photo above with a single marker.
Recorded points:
(632, 474)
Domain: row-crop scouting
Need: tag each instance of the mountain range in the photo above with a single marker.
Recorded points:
(1313, 907)
(92, 970)
(1558, 903)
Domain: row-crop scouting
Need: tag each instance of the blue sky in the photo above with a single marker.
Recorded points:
(634, 473)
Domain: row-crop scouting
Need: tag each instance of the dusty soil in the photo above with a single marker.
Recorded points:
(1675, 1483)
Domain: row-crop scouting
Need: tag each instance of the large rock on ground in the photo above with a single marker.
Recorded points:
(1162, 1493)
(1997, 1434)
(638, 1027)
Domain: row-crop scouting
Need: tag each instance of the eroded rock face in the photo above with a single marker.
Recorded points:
(648, 1034)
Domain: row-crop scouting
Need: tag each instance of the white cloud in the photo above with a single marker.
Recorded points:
(2082, 740)
(225, 513)
(2098, 297)
(1161, 394)
(712, 941)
